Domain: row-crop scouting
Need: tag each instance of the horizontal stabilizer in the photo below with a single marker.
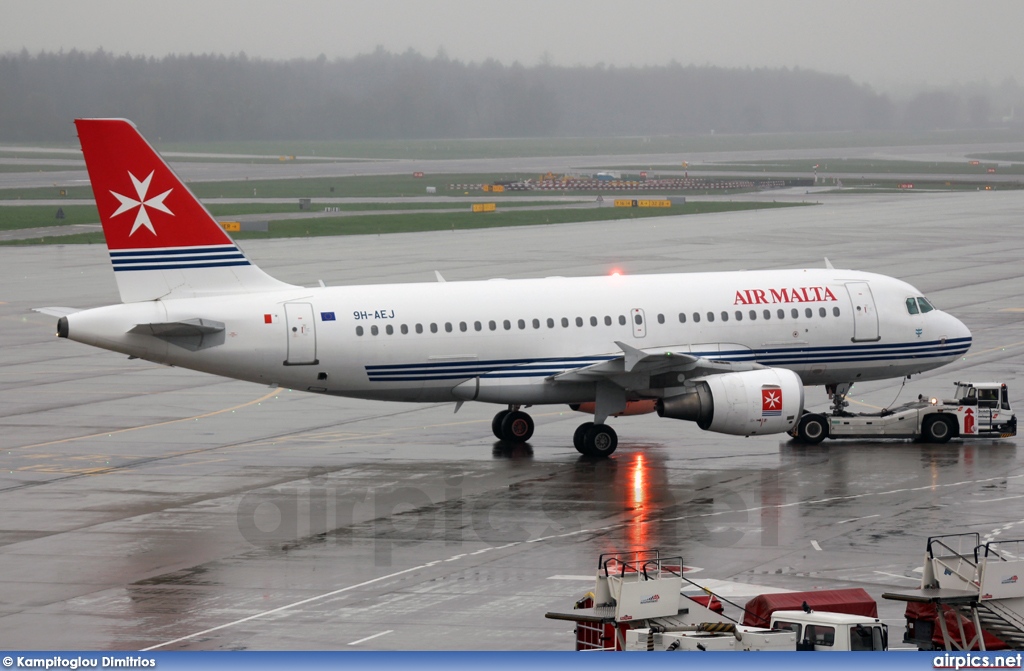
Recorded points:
(182, 329)
(56, 312)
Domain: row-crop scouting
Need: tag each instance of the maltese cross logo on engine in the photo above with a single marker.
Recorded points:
(142, 216)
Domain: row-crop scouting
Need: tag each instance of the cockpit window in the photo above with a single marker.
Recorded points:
(925, 305)
(912, 306)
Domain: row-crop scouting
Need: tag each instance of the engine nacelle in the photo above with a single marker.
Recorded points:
(748, 403)
(641, 407)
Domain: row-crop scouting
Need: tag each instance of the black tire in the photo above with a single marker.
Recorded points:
(496, 423)
(600, 440)
(516, 427)
(936, 429)
(579, 436)
(812, 429)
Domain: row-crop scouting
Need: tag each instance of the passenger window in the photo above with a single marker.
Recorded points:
(782, 313)
(795, 313)
(565, 323)
(507, 324)
(739, 316)
(536, 323)
(478, 326)
(711, 316)
(661, 319)
(925, 305)
(419, 328)
(607, 320)
(808, 313)
(682, 318)
(593, 321)
(725, 316)
(638, 320)
(448, 327)
(521, 324)
(696, 317)
(359, 330)
(551, 323)
(822, 312)
(491, 325)
(579, 322)
(622, 320)
(389, 330)
(835, 312)
(753, 315)
(405, 329)
(374, 330)
(463, 327)
(767, 314)
(433, 328)
(912, 306)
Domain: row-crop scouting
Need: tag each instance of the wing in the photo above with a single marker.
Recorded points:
(668, 363)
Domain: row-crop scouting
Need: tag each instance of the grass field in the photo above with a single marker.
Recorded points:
(404, 223)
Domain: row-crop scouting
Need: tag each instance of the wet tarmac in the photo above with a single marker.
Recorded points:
(152, 507)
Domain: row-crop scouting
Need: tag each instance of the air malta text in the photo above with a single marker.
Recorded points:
(791, 295)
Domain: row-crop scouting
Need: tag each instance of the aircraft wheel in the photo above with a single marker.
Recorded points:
(580, 435)
(496, 423)
(812, 429)
(936, 429)
(516, 427)
(600, 440)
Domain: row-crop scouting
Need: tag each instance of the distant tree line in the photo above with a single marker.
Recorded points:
(407, 95)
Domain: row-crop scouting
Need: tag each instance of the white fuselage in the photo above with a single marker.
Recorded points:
(504, 339)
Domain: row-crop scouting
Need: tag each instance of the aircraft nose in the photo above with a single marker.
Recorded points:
(958, 331)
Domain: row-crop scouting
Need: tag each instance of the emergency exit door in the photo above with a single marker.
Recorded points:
(865, 317)
(301, 334)
(639, 322)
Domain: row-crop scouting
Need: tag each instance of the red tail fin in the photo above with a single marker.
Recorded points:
(162, 241)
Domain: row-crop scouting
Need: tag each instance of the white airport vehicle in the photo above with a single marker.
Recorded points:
(730, 351)
(977, 410)
(793, 630)
(637, 605)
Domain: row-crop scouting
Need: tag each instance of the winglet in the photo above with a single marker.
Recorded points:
(633, 356)
(828, 264)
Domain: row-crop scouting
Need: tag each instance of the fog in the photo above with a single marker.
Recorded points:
(390, 69)
(889, 45)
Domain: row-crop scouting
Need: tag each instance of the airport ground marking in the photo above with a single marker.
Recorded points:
(152, 426)
(364, 640)
(290, 606)
(897, 575)
(610, 527)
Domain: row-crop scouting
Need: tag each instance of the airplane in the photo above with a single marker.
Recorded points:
(730, 351)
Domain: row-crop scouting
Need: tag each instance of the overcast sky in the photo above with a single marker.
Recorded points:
(885, 43)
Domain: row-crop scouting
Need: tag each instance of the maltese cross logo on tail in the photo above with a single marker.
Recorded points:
(142, 216)
(771, 402)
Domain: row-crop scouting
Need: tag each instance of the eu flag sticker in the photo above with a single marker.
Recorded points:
(327, 316)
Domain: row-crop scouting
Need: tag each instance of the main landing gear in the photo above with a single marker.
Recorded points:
(593, 440)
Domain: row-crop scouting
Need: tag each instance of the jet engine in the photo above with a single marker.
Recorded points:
(747, 403)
